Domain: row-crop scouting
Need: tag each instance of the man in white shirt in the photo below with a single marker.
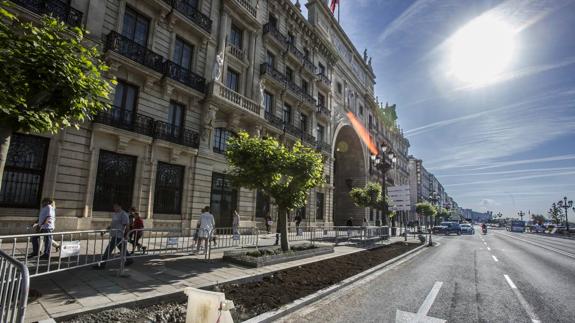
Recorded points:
(206, 227)
(117, 228)
(47, 224)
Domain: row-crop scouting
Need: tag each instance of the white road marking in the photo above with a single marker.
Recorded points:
(494, 258)
(488, 248)
(565, 253)
(421, 315)
(534, 318)
(485, 243)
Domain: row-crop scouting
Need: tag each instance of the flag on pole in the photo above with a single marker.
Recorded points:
(333, 4)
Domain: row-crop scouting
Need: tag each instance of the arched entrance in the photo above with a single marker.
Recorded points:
(349, 171)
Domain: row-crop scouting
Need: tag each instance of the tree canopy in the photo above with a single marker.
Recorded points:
(371, 196)
(425, 209)
(285, 174)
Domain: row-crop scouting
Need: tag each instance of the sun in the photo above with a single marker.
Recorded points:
(481, 50)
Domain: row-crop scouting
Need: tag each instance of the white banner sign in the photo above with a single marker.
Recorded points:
(69, 249)
(400, 196)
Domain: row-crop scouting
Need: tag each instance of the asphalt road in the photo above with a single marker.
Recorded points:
(498, 277)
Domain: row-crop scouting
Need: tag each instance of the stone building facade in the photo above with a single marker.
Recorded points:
(190, 74)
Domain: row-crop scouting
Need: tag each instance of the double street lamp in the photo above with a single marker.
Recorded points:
(566, 205)
(521, 214)
(384, 162)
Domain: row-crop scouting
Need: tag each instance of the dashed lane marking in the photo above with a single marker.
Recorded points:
(495, 258)
(530, 312)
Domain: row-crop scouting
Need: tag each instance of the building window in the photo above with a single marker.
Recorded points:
(136, 27)
(287, 114)
(303, 123)
(223, 200)
(114, 180)
(306, 53)
(289, 74)
(339, 88)
(321, 69)
(291, 39)
(370, 123)
(262, 204)
(270, 59)
(125, 99)
(235, 36)
(320, 133)
(221, 136)
(319, 202)
(361, 110)
(176, 118)
(320, 100)
(169, 189)
(24, 171)
(233, 80)
(268, 102)
(305, 86)
(183, 53)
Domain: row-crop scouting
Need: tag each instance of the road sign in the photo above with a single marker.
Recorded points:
(400, 196)
(69, 249)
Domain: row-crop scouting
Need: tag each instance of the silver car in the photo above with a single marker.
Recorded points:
(467, 229)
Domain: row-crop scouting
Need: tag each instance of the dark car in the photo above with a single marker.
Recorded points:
(447, 228)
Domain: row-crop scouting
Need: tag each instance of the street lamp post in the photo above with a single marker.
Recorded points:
(433, 198)
(521, 214)
(566, 205)
(384, 162)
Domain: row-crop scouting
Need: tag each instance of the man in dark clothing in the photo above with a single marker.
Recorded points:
(349, 222)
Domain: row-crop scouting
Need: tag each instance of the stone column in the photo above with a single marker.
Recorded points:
(251, 61)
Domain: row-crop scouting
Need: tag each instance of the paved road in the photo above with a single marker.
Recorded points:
(499, 277)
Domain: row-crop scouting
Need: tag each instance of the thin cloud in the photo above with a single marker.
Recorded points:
(507, 172)
(510, 179)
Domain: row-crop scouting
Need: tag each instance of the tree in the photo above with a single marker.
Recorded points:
(371, 196)
(556, 214)
(425, 209)
(443, 214)
(286, 175)
(538, 218)
(49, 78)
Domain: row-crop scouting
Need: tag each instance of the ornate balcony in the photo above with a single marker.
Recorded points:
(308, 65)
(267, 69)
(221, 91)
(274, 120)
(296, 90)
(127, 120)
(324, 79)
(275, 34)
(175, 134)
(134, 51)
(306, 137)
(293, 130)
(296, 52)
(325, 147)
(56, 8)
(185, 76)
(308, 98)
(247, 6)
(236, 52)
(192, 13)
(323, 110)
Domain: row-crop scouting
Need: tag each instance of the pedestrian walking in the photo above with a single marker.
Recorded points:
(269, 223)
(206, 226)
(120, 221)
(136, 229)
(46, 224)
(235, 222)
(298, 219)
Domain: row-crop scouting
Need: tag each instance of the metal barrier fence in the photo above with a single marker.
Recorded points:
(14, 285)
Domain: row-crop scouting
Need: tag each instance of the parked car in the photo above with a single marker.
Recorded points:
(466, 228)
(447, 228)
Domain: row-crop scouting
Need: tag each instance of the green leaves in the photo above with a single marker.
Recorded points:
(370, 196)
(426, 209)
(284, 174)
(49, 77)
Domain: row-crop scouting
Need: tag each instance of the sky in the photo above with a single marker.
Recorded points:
(502, 143)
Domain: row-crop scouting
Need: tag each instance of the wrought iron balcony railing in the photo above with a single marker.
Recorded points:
(293, 130)
(308, 138)
(267, 69)
(324, 146)
(307, 64)
(127, 120)
(175, 134)
(134, 51)
(296, 90)
(56, 8)
(274, 120)
(185, 76)
(296, 52)
(192, 13)
(308, 98)
(275, 33)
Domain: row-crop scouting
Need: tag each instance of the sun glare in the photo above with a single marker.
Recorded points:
(481, 50)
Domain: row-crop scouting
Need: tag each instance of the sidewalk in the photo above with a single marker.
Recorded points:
(86, 289)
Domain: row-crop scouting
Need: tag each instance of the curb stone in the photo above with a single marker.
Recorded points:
(309, 299)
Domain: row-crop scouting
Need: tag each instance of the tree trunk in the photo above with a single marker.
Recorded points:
(5, 135)
(282, 223)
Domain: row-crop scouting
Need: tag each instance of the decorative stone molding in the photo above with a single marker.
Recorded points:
(122, 144)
